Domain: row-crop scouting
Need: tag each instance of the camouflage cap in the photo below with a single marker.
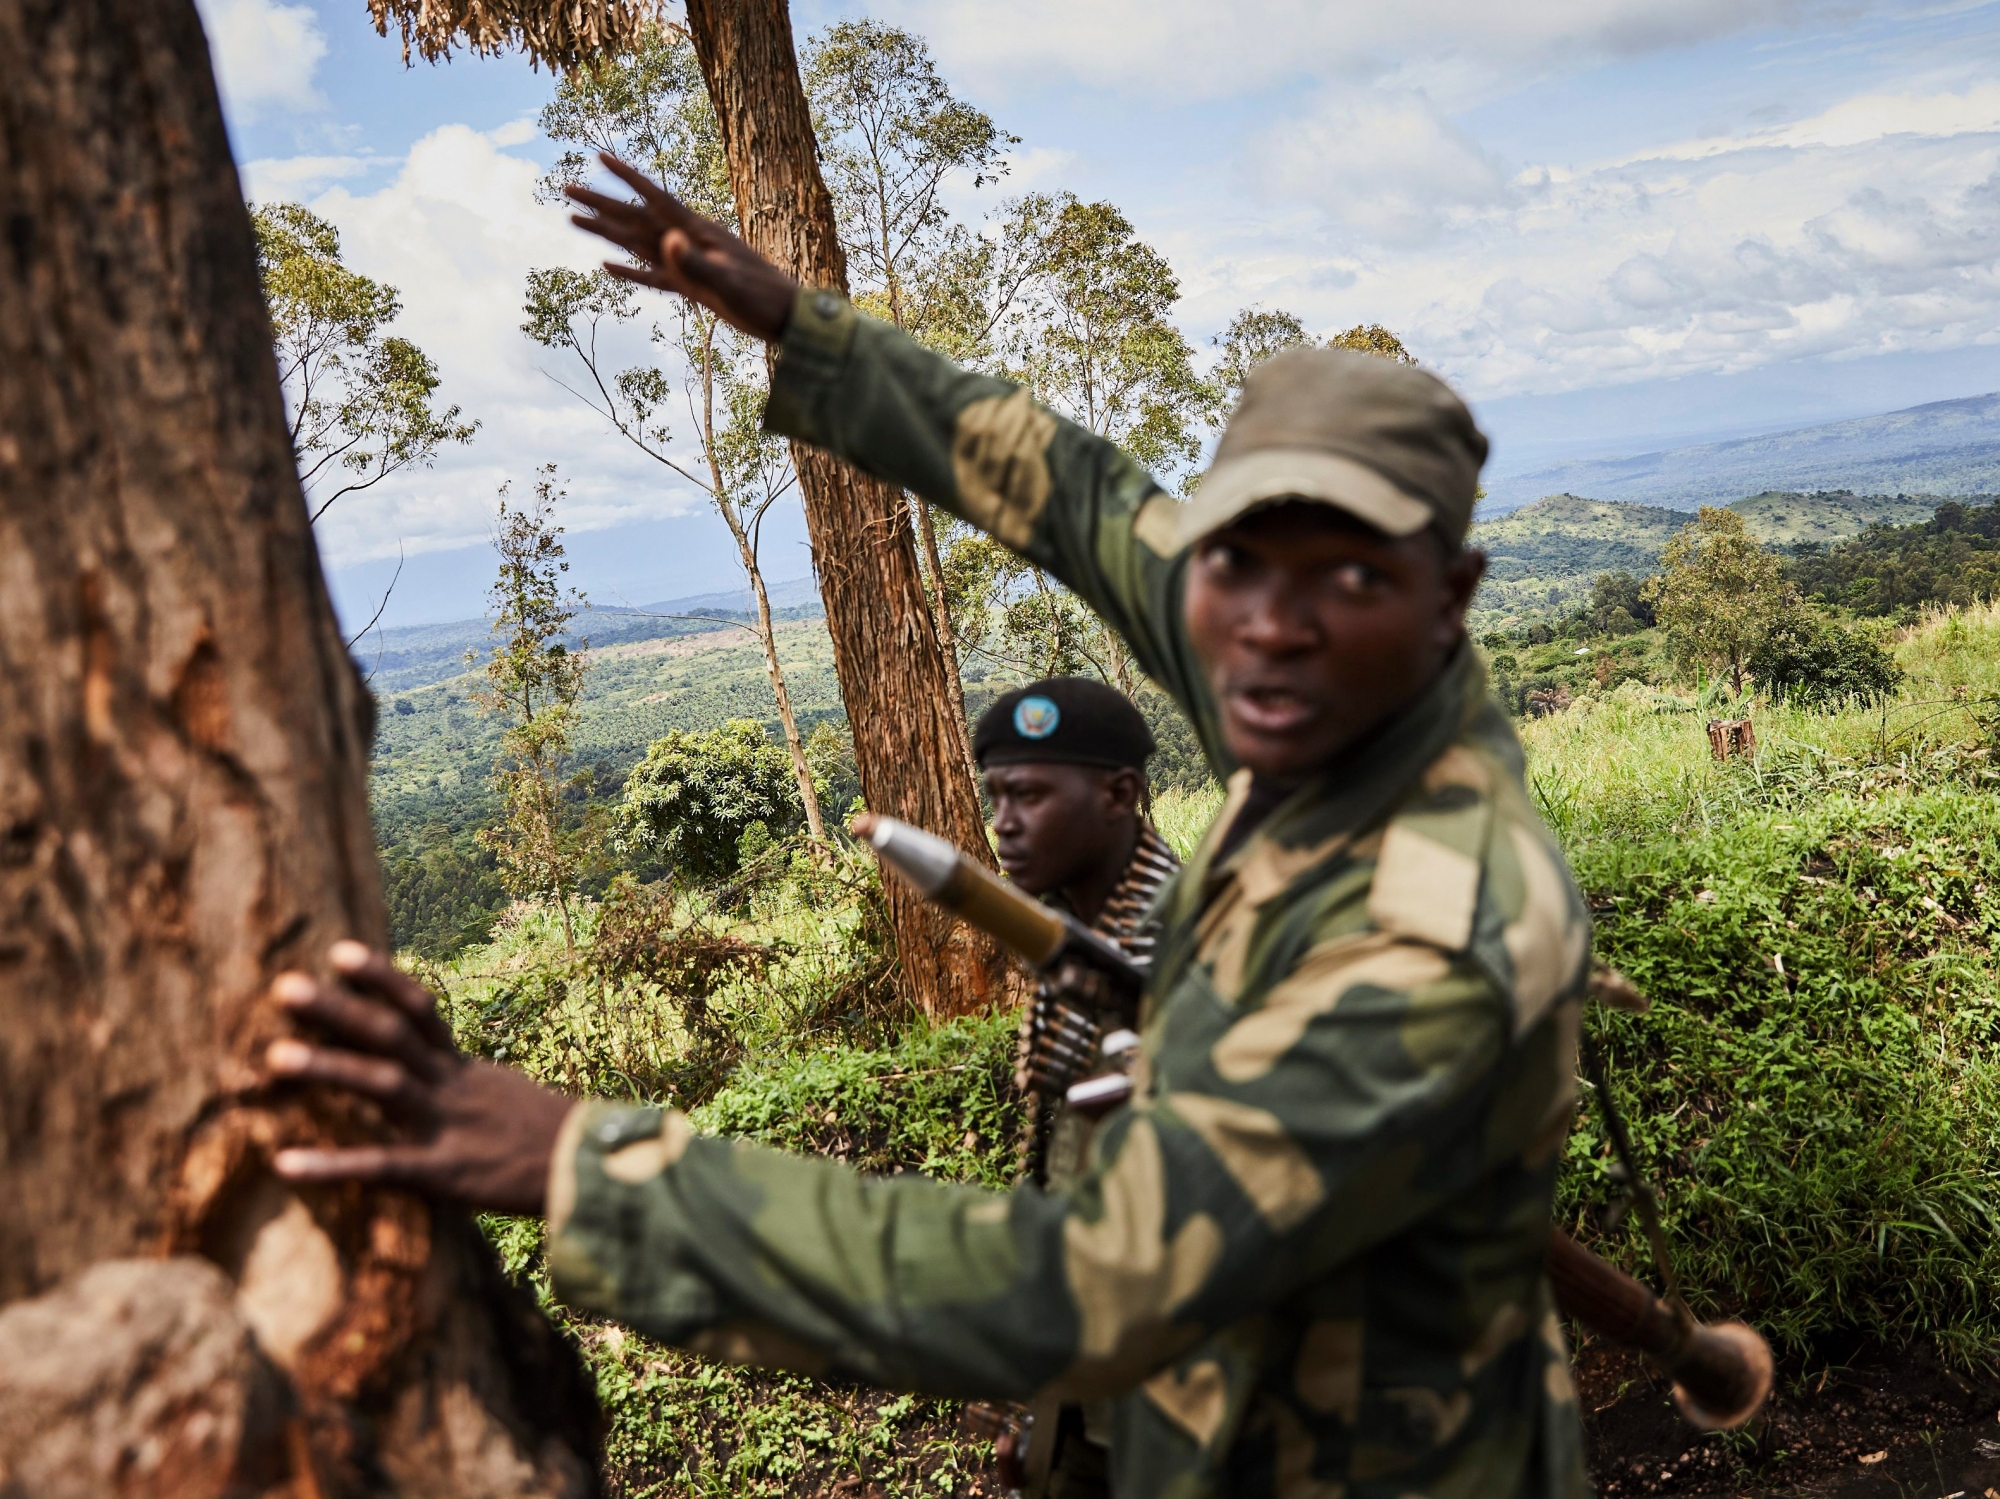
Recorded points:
(1388, 443)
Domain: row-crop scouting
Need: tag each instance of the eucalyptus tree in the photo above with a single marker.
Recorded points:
(1257, 333)
(1085, 324)
(360, 400)
(892, 137)
(1373, 338)
(534, 686)
(894, 676)
(1253, 336)
(649, 107)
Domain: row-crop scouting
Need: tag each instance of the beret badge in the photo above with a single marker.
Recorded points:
(1036, 717)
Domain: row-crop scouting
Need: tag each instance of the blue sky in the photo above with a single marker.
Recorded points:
(1614, 224)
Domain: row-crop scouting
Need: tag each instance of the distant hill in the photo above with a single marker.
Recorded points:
(1782, 516)
(1938, 450)
(1541, 557)
(411, 656)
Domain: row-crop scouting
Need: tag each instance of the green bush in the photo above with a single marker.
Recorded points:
(690, 802)
(1809, 660)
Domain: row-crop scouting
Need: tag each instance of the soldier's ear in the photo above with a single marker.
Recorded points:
(1124, 789)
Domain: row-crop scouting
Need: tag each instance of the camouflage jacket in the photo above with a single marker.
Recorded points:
(1307, 1257)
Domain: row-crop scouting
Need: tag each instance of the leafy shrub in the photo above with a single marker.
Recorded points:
(1813, 662)
(940, 1101)
(695, 795)
(836, 777)
(1815, 1083)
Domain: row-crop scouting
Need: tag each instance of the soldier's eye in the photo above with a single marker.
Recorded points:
(1357, 578)
(1225, 557)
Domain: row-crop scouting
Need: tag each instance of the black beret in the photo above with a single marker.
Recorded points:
(1064, 720)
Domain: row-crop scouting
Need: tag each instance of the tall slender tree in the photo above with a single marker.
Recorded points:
(893, 135)
(1086, 327)
(650, 107)
(892, 671)
(183, 801)
(534, 684)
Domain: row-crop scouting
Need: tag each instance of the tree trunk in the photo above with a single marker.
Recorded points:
(183, 801)
(746, 551)
(767, 636)
(947, 639)
(892, 675)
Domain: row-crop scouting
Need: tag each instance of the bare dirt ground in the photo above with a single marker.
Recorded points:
(1866, 1423)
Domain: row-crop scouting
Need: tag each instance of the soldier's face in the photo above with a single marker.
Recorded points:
(1314, 628)
(1057, 825)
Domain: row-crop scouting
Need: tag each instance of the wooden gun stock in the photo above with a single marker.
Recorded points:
(1721, 1371)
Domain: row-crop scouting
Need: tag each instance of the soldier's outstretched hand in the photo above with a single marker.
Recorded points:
(471, 1129)
(682, 251)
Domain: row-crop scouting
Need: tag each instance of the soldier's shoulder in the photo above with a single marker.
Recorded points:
(1464, 864)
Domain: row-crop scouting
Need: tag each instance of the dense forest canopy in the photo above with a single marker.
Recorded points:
(1952, 558)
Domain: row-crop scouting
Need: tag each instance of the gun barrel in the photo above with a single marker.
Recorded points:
(1721, 1371)
(943, 874)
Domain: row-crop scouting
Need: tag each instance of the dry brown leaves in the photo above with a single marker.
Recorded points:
(565, 34)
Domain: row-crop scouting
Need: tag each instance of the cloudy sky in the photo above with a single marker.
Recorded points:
(1614, 224)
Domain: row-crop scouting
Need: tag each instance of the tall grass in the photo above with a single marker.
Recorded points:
(1182, 816)
(1816, 1082)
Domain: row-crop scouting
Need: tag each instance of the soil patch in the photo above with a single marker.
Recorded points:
(1866, 1422)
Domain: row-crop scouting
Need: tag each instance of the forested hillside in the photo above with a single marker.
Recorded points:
(1951, 558)
(1542, 557)
(434, 750)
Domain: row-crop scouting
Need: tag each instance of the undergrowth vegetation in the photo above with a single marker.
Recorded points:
(1815, 1089)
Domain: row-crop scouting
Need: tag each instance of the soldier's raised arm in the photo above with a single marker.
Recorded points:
(982, 448)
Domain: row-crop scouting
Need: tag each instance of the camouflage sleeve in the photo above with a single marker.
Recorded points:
(1067, 500)
(1297, 1135)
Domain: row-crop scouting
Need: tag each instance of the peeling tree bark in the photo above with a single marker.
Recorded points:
(183, 809)
(893, 675)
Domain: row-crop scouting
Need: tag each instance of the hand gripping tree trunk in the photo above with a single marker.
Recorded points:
(892, 671)
(183, 806)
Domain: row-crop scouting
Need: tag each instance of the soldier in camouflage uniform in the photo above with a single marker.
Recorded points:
(1307, 1258)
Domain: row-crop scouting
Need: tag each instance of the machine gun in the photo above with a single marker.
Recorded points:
(1721, 1372)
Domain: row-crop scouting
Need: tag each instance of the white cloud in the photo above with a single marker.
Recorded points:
(266, 55)
(1749, 254)
(456, 232)
(1859, 121)
(293, 177)
(1387, 166)
(1199, 48)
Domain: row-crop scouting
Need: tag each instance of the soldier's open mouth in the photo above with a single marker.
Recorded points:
(1270, 710)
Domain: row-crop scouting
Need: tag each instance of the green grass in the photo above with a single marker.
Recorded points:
(806, 1050)
(1182, 816)
(934, 1100)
